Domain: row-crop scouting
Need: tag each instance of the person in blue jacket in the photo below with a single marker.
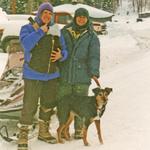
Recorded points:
(44, 49)
(83, 62)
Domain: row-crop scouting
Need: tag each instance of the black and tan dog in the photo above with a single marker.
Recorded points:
(88, 108)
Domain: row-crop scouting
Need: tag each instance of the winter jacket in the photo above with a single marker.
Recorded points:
(83, 56)
(37, 47)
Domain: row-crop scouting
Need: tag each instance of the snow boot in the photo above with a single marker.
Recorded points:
(44, 134)
(23, 138)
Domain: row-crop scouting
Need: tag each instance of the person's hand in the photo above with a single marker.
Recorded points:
(96, 80)
(35, 26)
(44, 28)
(56, 54)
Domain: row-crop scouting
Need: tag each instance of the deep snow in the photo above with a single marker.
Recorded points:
(125, 63)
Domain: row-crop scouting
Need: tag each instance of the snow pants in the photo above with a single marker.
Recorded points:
(38, 92)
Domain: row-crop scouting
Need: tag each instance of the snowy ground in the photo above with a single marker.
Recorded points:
(125, 66)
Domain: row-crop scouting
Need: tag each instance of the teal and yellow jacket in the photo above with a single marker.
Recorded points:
(83, 56)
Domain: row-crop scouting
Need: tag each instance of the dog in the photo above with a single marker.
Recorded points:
(88, 108)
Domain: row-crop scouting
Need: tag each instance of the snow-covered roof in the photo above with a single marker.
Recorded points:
(94, 12)
(144, 12)
(19, 16)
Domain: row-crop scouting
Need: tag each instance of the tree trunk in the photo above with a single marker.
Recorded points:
(13, 6)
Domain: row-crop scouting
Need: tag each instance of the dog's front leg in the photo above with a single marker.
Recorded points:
(98, 127)
(85, 129)
(59, 133)
(66, 129)
(66, 134)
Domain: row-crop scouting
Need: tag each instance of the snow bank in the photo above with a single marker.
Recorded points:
(125, 63)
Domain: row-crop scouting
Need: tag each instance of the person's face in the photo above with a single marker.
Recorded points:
(46, 16)
(81, 20)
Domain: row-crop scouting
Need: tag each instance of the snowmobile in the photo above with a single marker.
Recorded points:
(11, 84)
(11, 91)
(11, 96)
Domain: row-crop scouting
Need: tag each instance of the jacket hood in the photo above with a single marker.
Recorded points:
(42, 7)
(81, 12)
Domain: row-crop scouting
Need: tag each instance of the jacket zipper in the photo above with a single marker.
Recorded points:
(71, 76)
(49, 64)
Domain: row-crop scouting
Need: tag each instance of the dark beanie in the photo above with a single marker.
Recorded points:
(44, 6)
(81, 12)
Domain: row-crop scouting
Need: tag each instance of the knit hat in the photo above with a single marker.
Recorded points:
(81, 12)
(44, 6)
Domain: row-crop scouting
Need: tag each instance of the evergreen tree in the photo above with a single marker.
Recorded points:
(21, 6)
(4, 5)
(107, 5)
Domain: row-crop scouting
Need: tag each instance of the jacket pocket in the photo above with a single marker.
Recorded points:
(82, 74)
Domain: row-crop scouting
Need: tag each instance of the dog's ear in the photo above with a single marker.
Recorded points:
(108, 90)
(96, 90)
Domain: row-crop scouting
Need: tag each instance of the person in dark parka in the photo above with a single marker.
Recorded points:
(83, 62)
